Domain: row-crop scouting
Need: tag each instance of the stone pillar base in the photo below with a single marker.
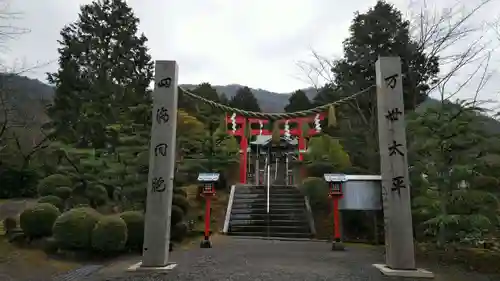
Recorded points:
(338, 246)
(139, 267)
(409, 273)
(205, 243)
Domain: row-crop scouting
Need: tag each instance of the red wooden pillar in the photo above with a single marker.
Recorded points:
(243, 159)
(244, 153)
(302, 149)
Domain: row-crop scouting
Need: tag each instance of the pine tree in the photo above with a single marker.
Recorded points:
(382, 31)
(245, 99)
(204, 112)
(298, 101)
(223, 99)
(104, 68)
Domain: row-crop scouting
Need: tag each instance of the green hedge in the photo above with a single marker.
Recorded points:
(48, 185)
(54, 200)
(38, 220)
(135, 229)
(316, 189)
(182, 202)
(73, 229)
(109, 235)
(16, 183)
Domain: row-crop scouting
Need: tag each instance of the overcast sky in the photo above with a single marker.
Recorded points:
(251, 42)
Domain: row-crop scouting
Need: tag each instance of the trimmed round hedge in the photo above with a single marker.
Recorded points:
(9, 224)
(109, 235)
(48, 185)
(181, 201)
(317, 191)
(97, 194)
(73, 229)
(38, 220)
(179, 231)
(135, 229)
(177, 215)
(63, 192)
(54, 200)
(180, 191)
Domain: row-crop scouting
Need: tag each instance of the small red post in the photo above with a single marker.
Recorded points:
(207, 217)
(336, 182)
(243, 159)
(208, 193)
(336, 219)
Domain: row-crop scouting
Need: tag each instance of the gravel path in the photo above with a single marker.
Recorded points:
(251, 259)
(13, 208)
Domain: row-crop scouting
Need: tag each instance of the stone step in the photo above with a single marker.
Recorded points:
(263, 211)
(270, 228)
(277, 235)
(271, 195)
(263, 203)
(273, 222)
(272, 216)
(261, 190)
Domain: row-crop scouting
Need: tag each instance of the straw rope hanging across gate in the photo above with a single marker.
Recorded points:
(273, 117)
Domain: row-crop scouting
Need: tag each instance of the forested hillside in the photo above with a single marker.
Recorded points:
(30, 96)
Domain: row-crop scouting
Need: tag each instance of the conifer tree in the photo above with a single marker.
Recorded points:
(104, 68)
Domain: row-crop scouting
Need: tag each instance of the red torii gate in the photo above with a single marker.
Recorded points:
(236, 127)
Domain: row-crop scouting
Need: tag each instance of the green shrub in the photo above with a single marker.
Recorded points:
(177, 215)
(318, 168)
(181, 201)
(110, 190)
(54, 200)
(38, 220)
(316, 189)
(9, 224)
(76, 201)
(49, 245)
(109, 234)
(63, 192)
(180, 191)
(48, 185)
(179, 231)
(17, 183)
(73, 229)
(135, 229)
(97, 194)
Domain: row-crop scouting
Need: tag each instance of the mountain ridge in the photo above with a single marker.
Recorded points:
(32, 95)
(35, 89)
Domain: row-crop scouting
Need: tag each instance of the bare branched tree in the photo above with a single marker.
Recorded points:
(455, 34)
(459, 37)
(318, 71)
(15, 117)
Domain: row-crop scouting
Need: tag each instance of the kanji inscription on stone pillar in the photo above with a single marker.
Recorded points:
(161, 166)
(394, 165)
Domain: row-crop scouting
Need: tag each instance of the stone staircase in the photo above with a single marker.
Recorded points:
(288, 217)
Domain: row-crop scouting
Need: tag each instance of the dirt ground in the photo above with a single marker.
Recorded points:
(23, 264)
(19, 263)
(257, 259)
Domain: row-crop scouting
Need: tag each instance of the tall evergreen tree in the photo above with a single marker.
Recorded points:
(245, 99)
(204, 112)
(298, 101)
(382, 31)
(104, 68)
(223, 99)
